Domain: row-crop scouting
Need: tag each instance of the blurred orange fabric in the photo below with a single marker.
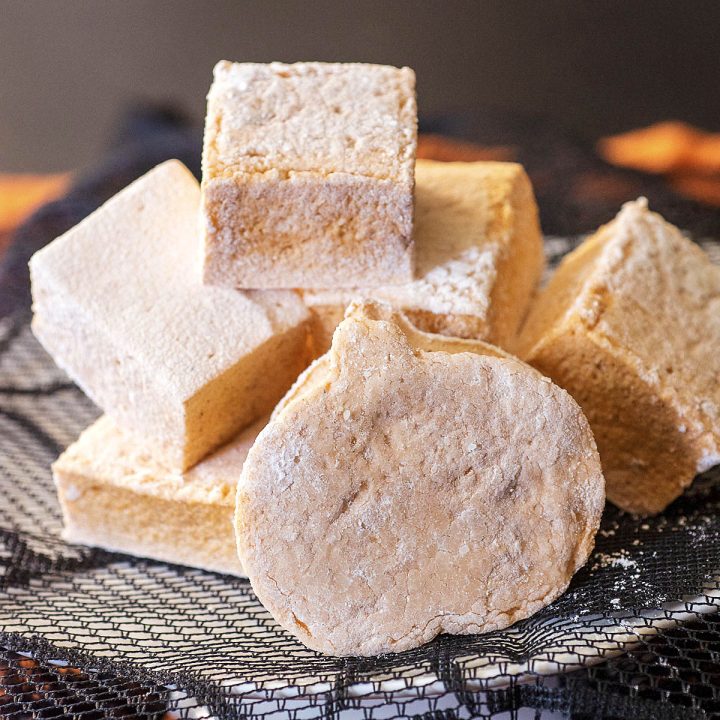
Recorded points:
(689, 158)
(20, 195)
(438, 147)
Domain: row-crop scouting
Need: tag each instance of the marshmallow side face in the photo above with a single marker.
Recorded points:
(406, 468)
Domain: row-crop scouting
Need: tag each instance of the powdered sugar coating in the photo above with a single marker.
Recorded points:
(370, 493)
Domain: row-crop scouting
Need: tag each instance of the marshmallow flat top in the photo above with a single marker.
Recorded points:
(318, 118)
(395, 469)
(134, 268)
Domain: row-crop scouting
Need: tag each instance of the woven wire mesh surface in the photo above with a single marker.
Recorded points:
(91, 634)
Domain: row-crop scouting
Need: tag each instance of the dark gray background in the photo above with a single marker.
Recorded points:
(68, 67)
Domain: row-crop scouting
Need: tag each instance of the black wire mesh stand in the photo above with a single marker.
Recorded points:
(91, 634)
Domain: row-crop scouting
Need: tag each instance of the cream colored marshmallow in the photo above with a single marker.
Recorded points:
(412, 484)
(308, 175)
(630, 326)
(115, 496)
(119, 303)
